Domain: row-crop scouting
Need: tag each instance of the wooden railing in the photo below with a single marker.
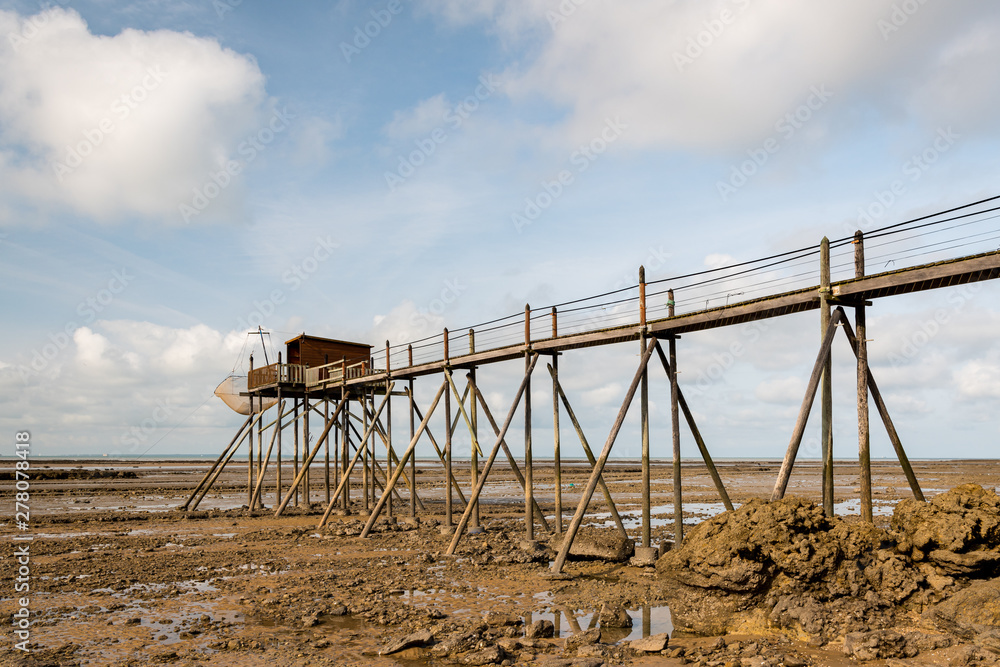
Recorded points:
(275, 373)
(335, 372)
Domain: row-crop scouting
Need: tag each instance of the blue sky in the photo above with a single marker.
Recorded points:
(174, 173)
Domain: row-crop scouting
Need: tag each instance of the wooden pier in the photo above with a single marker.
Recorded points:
(353, 394)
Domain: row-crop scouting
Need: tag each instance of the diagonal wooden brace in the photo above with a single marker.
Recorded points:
(464, 521)
(588, 492)
(709, 463)
(800, 424)
(586, 450)
(401, 468)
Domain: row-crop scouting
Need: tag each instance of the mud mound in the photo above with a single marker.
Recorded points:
(785, 565)
(957, 532)
(744, 551)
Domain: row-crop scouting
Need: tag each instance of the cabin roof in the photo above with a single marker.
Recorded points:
(304, 336)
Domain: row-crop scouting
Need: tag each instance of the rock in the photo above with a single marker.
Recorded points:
(457, 643)
(488, 656)
(614, 616)
(644, 557)
(602, 544)
(879, 644)
(958, 531)
(651, 644)
(579, 639)
(418, 638)
(540, 629)
(498, 618)
(974, 609)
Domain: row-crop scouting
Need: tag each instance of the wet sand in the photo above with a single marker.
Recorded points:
(120, 576)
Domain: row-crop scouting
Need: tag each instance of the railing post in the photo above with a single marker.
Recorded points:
(644, 416)
(642, 298)
(826, 398)
(250, 456)
(556, 450)
(474, 419)
(529, 516)
(864, 443)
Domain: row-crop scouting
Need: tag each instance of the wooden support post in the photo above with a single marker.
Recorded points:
(557, 445)
(345, 444)
(474, 435)
(310, 456)
(277, 483)
(250, 451)
(359, 451)
(295, 457)
(588, 492)
(260, 455)
(267, 458)
(402, 463)
(440, 453)
(447, 443)
(689, 417)
(864, 442)
(464, 521)
(367, 493)
(644, 416)
(377, 468)
(675, 427)
(217, 462)
(529, 475)
(539, 514)
(560, 394)
(890, 428)
(388, 444)
(304, 473)
(800, 424)
(220, 468)
(413, 461)
(326, 452)
(826, 398)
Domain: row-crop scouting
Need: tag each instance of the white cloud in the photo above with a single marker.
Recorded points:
(721, 74)
(115, 376)
(787, 390)
(136, 120)
(421, 119)
(979, 379)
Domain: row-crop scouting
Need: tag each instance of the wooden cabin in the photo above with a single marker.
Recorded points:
(313, 351)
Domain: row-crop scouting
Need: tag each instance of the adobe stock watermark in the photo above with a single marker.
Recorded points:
(562, 12)
(223, 7)
(913, 170)
(711, 31)
(450, 293)
(364, 34)
(722, 362)
(295, 276)
(120, 109)
(136, 436)
(656, 259)
(453, 120)
(900, 15)
(248, 149)
(785, 128)
(31, 26)
(932, 326)
(580, 160)
(88, 309)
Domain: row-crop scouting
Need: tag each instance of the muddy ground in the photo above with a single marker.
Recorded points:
(120, 576)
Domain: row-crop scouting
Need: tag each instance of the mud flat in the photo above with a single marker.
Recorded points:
(119, 576)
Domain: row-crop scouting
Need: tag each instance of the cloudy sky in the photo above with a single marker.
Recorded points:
(173, 174)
